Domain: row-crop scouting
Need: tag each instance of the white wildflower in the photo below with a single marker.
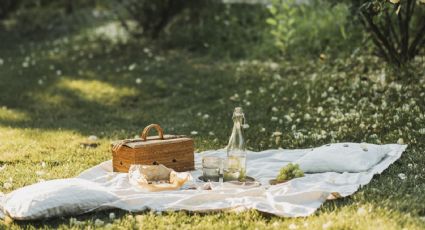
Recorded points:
(111, 216)
(402, 176)
(138, 81)
(327, 225)
(235, 97)
(25, 64)
(288, 118)
(245, 126)
(40, 81)
(274, 119)
(361, 211)
(292, 226)
(274, 109)
(7, 185)
(99, 222)
(410, 165)
(330, 89)
(396, 118)
(248, 92)
(277, 133)
(193, 133)
(1, 61)
(132, 67)
(422, 131)
(307, 117)
(319, 109)
(211, 133)
(400, 141)
(92, 138)
(277, 77)
(206, 116)
(58, 72)
(274, 65)
(74, 221)
(263, 130)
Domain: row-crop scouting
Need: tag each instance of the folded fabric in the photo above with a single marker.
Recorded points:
(56, 198)
(342, 157)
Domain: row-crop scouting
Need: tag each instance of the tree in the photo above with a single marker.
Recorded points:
(397, 28)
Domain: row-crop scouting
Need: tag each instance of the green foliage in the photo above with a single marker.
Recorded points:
(289, 172)
(224, 30)
(312, 28)
(282, 20)
(35, 17)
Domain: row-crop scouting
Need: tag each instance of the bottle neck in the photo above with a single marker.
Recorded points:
(236, 141)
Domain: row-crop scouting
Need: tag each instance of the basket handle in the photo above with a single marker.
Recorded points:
(146, 130)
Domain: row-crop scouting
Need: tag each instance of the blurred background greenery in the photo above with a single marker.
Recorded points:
(237, 29)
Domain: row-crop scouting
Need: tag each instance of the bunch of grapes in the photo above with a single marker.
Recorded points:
(290, 171)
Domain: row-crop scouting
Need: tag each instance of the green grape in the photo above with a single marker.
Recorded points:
(298, 173)
(289, 172)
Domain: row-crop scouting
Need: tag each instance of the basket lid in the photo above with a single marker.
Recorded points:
(152, 140)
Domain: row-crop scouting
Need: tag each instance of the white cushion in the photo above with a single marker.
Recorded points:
(342, 157)
(56, 198)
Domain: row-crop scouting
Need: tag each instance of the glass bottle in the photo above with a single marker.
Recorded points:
(235, 164)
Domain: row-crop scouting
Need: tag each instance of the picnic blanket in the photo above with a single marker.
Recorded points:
(296, 198)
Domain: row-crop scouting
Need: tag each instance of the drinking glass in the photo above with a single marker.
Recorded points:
(234, 169)
(211, 168)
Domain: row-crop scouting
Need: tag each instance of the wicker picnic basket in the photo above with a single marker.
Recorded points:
(176, 152)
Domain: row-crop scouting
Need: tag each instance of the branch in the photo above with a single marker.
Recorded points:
(380, 37)
(416, 44)
(392, 29)
(405, 38)
(376, 41)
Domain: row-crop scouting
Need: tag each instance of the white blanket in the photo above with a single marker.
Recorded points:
(298, 197)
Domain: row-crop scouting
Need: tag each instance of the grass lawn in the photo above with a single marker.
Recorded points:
(54, 93)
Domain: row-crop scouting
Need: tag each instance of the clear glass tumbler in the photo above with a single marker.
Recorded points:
(211, 168)
(234, 169)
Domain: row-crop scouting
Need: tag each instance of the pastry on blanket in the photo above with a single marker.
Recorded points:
(150, 173)
(156, 177)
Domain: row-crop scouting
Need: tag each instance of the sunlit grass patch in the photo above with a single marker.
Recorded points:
(96, 91)
(12, 115)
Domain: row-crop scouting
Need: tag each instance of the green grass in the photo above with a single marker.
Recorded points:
(54, 93)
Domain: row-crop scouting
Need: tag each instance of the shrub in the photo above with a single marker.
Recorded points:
(397, 28)
(312, 27)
